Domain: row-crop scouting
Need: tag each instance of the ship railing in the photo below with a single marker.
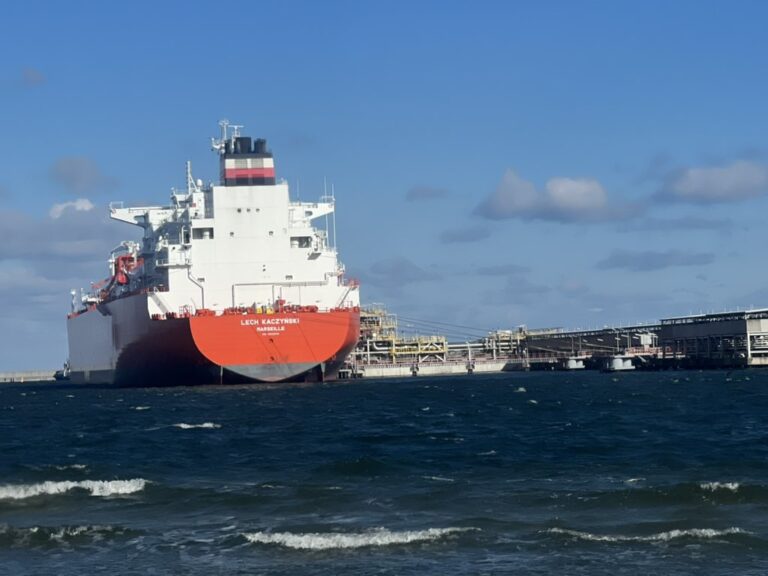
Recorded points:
(189, 311)
(360, 362)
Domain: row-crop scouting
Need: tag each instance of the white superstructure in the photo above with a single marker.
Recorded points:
(225, 246)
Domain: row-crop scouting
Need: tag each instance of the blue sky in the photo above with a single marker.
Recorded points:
(570, 164)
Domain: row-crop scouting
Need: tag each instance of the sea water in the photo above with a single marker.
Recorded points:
(516, 473)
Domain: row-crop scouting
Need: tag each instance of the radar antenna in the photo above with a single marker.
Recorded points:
(220, 144)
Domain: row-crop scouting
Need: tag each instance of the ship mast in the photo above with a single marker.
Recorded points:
(219, 145)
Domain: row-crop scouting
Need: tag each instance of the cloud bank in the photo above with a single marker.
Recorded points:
(685, 223)
(649, 260)
(734, 182)
(566, 200)
(397, 272)
(473, 234)
(80, 176)
(74, 234)
(501, 270)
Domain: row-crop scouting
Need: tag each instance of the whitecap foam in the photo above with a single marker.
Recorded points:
(532, 401)
(521, 390)
(71, 467)
(103, 488)
(36, 535)
(206, 425)
(699, 533)
(488, 453)
(438, 478)
(139, 408)
(713, 486)
(91, 531)
(341, 540)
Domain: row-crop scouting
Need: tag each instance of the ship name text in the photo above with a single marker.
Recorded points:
(268, 321)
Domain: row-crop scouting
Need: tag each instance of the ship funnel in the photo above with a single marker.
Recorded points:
(242, 145)
(247, 162)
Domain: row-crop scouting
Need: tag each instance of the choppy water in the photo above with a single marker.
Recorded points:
(541, 473)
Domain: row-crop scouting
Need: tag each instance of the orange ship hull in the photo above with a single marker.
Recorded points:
(277, 347)
(238, 347)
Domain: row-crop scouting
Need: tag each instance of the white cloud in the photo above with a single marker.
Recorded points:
(561, 200)
(575, 195)
(513, 196)
(736, 181)
(80, 205)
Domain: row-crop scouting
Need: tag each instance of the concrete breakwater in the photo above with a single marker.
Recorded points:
(27, 376)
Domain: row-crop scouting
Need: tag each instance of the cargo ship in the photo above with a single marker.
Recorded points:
(230, 283)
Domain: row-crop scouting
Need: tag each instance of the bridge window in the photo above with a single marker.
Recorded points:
(301, 241)
(202, 233)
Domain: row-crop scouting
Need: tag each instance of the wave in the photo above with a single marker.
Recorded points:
(43, 535)
(139, 408)
(103, 488)
(692, 533)
(342, 540)
(59, 467)
(713, 486)
(635, 492)
(207, 425)
(72, 467)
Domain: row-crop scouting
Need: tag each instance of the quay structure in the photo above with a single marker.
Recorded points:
(724, 340)
(720, 340)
